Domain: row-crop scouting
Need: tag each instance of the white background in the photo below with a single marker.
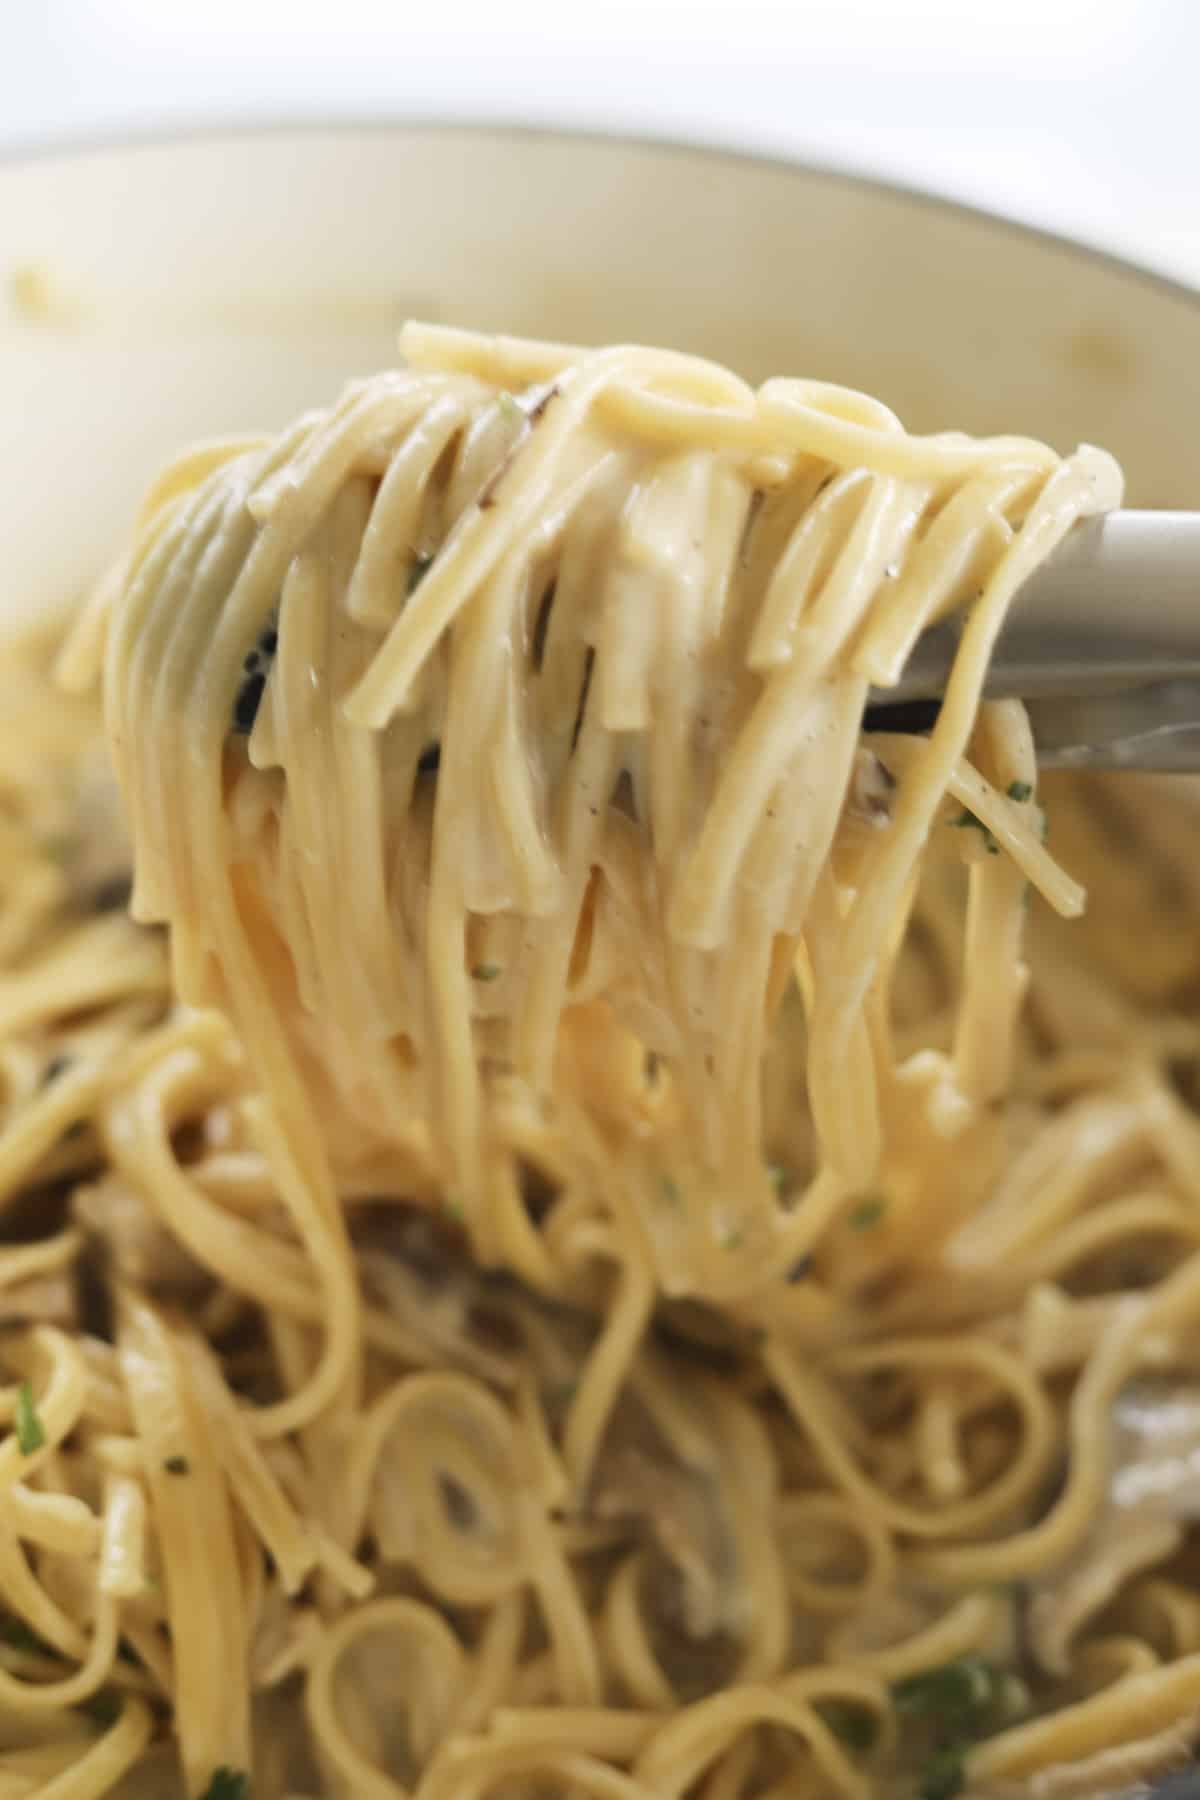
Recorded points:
(1080, 115)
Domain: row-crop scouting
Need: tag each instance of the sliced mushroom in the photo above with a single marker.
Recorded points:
(872, 785)
(1114, 1550)
(1154, 1490)
(676, 1508)
(139, 1249)
(421, 1274)
(1156, 1453)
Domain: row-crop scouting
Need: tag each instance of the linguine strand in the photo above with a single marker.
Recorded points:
(610, 1242)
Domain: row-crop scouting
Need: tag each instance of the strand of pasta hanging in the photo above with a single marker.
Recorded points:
(517, 700)
(492, 745)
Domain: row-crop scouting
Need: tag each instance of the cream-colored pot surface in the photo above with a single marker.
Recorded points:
(170, 290)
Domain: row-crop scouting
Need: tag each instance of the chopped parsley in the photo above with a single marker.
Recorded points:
(1020, 790)
(31, 1434)
(957, 1690)
(943, 1775)
(454, 1207)
(486, 972)
(228, 1784)
(867, 1213)
(966, 819)
(671, 1191)
(963, 1701)
(421, 566)
(177, 1465)
(778, 1176)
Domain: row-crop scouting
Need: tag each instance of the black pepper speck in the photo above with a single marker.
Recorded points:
(245, 709)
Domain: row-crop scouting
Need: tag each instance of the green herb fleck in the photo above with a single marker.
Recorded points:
(944, 1775)
(1020, 790)
(732, 1237)
(956, 1691)
(967, 818)
(31, 1434)
(866, 1214)
(177, 1465)
(420, 568)
(510, 406)
(228, 1784)
(670, 1190)
(852, 1725)
(486, 972)
(778, 1176)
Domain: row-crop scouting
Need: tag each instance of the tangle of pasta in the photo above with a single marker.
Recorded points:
(612, 1252)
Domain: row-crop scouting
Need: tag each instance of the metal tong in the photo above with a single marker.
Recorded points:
(1183, 1784)
(1102, 643)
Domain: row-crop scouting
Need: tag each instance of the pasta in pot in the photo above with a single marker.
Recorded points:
(632, 615)
(611, 1252)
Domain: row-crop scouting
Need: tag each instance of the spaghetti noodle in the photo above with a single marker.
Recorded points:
(611, 1252)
